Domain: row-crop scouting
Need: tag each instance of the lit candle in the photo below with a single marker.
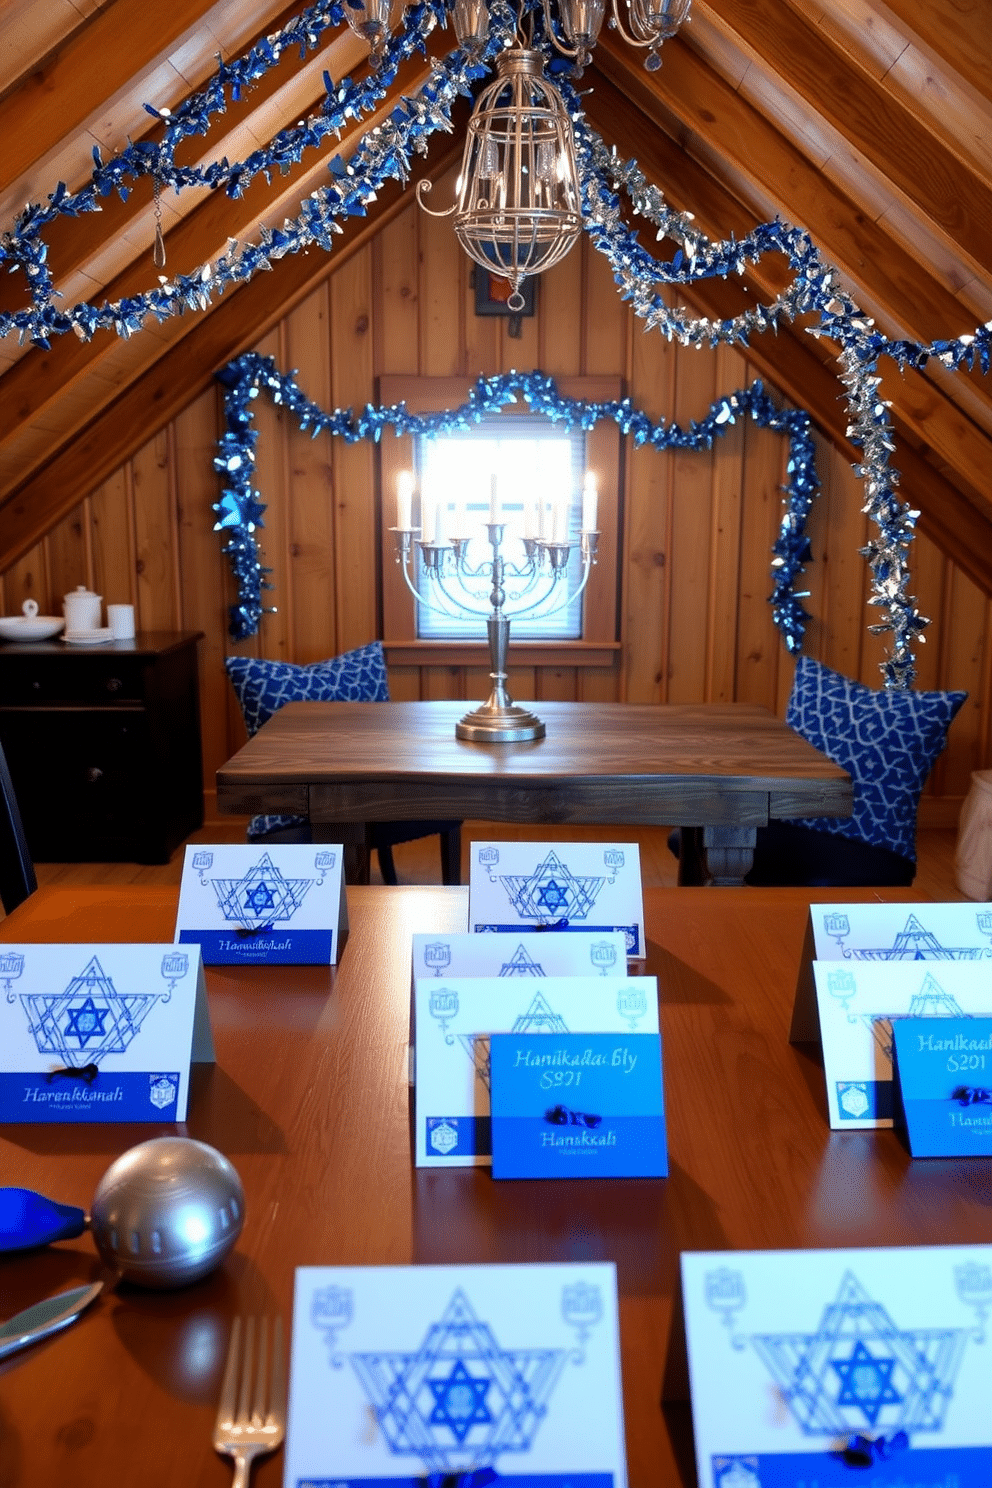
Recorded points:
(440, 513)
(590, 503)
(404, 500)
(493, 498)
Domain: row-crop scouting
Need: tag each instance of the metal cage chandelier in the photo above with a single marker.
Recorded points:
(519, 206)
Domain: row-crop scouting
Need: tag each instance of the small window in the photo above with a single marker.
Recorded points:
(527, 471)
(531, 457)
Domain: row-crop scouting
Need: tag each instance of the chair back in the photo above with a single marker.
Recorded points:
(17, 878)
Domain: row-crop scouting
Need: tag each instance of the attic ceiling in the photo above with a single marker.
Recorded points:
(869, 125)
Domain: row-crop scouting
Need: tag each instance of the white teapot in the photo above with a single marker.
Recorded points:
(82, 609)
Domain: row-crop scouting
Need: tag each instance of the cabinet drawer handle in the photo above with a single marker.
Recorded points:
(93, 774)
(114, 684)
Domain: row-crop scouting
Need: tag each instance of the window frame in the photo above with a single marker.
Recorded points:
(600, 641)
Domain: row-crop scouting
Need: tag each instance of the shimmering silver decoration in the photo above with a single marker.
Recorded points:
(372, 20)
(518, 210)
(167, 1212)
(649, 23)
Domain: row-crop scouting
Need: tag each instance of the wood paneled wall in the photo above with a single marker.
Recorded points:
(696, 534)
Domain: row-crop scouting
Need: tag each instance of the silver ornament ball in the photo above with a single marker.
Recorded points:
(167, 1212)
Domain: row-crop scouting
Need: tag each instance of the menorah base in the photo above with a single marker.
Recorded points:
(499, 725)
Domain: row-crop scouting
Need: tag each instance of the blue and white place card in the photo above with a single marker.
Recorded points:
(279, 905)
(528, 954)
(943, 1071)
(569, 886)
(453, 1021)
(577, 1105)
(887, 933)
(858, 1003)
(407, 1375)
(830, 1367)
(100, 1032)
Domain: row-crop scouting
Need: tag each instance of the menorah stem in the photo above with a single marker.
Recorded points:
(499, 720)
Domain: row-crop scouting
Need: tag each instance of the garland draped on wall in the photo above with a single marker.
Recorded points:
(240, 509)
(385, 152)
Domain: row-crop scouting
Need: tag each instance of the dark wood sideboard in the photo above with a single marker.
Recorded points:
(103, 744)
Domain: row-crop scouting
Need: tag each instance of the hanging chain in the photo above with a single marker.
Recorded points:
(158, 251)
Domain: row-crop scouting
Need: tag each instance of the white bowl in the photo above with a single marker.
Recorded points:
(30, 627)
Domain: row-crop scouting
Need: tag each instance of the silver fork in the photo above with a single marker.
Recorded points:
(251, 1416)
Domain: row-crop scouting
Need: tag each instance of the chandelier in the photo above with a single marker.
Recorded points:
(518, 209)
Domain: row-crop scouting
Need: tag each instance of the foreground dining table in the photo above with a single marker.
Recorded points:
(724, 769)
(309, 1098)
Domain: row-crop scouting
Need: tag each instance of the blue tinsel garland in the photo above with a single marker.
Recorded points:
(385, 152)
(240, 509)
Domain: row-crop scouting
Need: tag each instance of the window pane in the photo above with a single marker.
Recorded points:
(538, 471)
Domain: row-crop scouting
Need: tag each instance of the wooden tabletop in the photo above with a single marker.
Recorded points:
(685, 764)
(309, 1099)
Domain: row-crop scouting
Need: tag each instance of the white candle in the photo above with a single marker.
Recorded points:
(493, 498)
(590, 503)
(532, 519)
(404, 500)
(440, 513)
(561, 520)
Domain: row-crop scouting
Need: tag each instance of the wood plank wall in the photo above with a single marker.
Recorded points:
(697, 528)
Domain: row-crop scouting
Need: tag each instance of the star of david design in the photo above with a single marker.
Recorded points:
(460, 1402)
(88, 1020)
(866, 1381)
(540, 1017)
(460, 1399)
(551, 890)
(859, 1369)
(264, 894)
(521, 964)
(915, 943)
(930, 1002)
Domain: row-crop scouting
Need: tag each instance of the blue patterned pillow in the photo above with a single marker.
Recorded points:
(887, 742)
(263, 687)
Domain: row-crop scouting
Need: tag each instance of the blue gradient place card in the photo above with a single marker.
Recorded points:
(565, 886)
(577, 1105)
(943, 1070)
(279, 905)
(859, 1002)
(584, 953)
(94, 1033)
(404, 1376)
(453, 1022)
(838, 1367)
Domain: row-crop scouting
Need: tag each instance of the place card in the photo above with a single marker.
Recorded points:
(943, 1085)
(100, 1032)
(832, 1367)
(577, 1105)
(567, 886)
(889, 933)
(528, 954)
(404, 1375)
(279, 905)
(859, 1001)
(453, 1021)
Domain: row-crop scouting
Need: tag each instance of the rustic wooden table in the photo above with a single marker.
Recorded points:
(309, 1098)
(725, 768)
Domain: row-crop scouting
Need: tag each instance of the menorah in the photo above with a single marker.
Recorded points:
(518, 585)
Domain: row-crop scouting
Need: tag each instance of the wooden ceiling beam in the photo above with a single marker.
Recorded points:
(236, 323)
(76, 79)
(878, 125)
(800, 370)
(40, 377)
(917, 304)
(958, 31)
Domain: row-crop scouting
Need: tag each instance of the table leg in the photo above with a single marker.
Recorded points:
(354, 838)
(729, 854)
